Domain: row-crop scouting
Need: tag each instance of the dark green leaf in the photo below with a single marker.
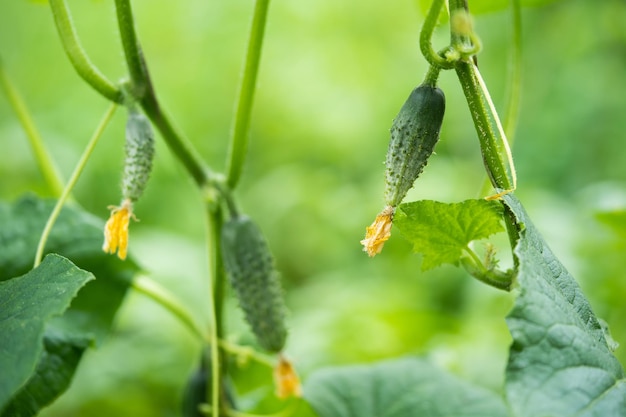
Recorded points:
(27, 303)
(53, 375)
(406, 387)
(78, 236)
(560, 364)
(75, 234)
(441, 231)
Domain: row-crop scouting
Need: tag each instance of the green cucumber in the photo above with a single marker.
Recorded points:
(250, 266)
(414, 133)
(139, 155)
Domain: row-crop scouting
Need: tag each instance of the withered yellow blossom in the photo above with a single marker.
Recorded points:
(286, 379)
(378, 232)
(116, 229)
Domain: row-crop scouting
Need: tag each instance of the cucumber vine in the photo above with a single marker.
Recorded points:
(238, 252)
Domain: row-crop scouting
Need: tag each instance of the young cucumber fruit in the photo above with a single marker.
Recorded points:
(414, 133)
(250, 266)
(139, 155)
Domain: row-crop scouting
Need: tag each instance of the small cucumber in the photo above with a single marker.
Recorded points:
(414, 133)
(139, 155)
(250, 266)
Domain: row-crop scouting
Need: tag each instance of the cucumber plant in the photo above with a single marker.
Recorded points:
(250, 266)
(561, 361)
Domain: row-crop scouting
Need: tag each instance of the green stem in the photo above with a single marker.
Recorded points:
(245, 352)
(142, 87)
(514, 83)
(475, 258)
(72, 181)
(489, 142)
(215, 271)
(239, 133)
(178, 145)
(502, 136)
(219, 285)
(431, 76)
(458, 40)
(164, 298)
(227, 197)
(219, 282)
(426, 35)
(475, 267)
(513, 232)
(45, 163)
(77, 55)
(131, 47)
(168, 301)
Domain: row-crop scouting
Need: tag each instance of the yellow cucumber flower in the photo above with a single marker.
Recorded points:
(378, 232)
(286, 379)
(116, 229)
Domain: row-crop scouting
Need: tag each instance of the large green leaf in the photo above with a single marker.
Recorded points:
(27, 304)
(441, 231)
(405, 387)
(78, 236)
(560, 364)
(53, 375)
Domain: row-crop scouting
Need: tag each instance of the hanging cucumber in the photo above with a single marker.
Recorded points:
(250, 266)
(414, 134)
(139, 149)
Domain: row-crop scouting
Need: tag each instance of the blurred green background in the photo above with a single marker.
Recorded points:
(333, 75)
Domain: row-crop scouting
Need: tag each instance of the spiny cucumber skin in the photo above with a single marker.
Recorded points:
(139, 155)
(250, 266)
(414, 133)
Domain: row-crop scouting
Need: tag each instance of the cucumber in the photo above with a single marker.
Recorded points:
(139, 155)
(250, 267)
(414, 133)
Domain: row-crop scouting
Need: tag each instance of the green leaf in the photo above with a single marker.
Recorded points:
(53, 375)
(21, 224)
(405, 387)
(27, 304)
(560, 364)
(78, 236)
(440, 231)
